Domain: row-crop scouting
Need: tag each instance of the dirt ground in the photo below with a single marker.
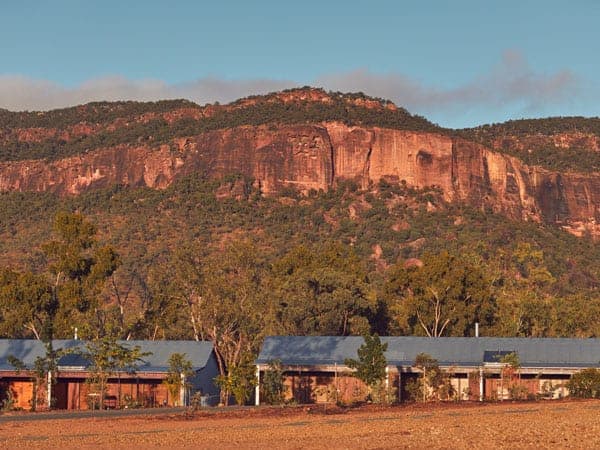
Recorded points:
(551, 424)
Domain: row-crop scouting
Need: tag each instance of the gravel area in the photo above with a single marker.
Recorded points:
(551, 424)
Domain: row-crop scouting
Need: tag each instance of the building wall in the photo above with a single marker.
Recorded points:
(498, 388)
(323, 387)
(21, 390)
(204, 381)
(76, 394)
(328, 387)
(552, 387)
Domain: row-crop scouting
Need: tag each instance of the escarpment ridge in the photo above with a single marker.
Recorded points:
(303, 139)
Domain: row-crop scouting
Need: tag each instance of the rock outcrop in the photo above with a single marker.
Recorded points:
(315, 156)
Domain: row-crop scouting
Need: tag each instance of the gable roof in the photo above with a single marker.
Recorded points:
(449, 351)
(27, 350)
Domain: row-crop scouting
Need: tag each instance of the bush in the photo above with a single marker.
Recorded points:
(273, 389)
(585, 384)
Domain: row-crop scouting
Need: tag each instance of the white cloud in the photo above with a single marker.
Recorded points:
(510, 89)
(20, 93)
(512, 81)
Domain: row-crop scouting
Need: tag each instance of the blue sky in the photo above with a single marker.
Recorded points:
(459, 63)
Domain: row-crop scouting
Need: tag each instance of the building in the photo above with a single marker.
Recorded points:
(71, 389)
(315, 372)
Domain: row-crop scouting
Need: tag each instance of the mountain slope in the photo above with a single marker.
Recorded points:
(305, 139)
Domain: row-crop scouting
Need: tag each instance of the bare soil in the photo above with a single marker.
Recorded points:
(551, 424)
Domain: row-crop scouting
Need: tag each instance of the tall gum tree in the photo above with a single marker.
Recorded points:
(221, 298)
(78, 267)
(323, 290)
(444, 296)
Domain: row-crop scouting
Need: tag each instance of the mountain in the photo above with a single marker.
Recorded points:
(308, 139)
(332, 203)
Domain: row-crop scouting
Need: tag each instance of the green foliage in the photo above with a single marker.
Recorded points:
(8, 403)
(322, 290)
(446, 296)
(180, 368)
(585, 384)
(239, 380)
(371, 363)
(511, 360)
(541, 151)
(27, 304)
(272, 386)
(309, 267)
(108, 358)
(433, 384)
(94, 112)
(78, 268)
(526, 127)
(264, 110)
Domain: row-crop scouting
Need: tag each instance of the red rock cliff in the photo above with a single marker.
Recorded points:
(315, 156)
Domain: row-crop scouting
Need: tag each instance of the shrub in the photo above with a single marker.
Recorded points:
(370, 367)
(585, 384)
(273, 389)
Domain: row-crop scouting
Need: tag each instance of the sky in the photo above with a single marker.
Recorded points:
(459, 63)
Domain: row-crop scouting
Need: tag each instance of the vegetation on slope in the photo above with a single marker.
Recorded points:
(527, 127)
(341, 262)
(544, 154)
(95, 112)
(350, 108)
(268, 110)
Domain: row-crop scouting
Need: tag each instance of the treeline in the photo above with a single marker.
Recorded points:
(240, 291)
(94, 112)
(342, 262)
(540, 153)
(180, 264)
(269, 109)
(527, 127)
(561, 159)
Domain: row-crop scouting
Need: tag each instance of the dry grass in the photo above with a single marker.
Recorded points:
(552, 424)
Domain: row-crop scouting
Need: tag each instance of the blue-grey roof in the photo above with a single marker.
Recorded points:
(449, 351)
(27, 350)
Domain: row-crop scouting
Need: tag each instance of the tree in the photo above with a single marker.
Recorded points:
(370, 365)
(510, 372)
(233, 313)
(273, 388)
(107, 357)
(123, 304)
(27, 305)
(585, 384)
(446, 296)
(162, 317)
(180, 369)
(240, 380)
(524, 306)
(322, 290)
(180, 281)
(433, 383)
(78, 267)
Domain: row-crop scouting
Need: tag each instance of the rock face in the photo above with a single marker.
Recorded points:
(316, 156)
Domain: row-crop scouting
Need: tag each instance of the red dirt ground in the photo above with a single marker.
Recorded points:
(551, 424)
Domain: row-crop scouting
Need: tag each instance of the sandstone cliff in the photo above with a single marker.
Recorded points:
(316, 156)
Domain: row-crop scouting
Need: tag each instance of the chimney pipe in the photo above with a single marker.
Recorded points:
(476, 329)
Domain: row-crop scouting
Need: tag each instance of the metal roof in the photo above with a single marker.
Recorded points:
(27, 350)
(449, 351)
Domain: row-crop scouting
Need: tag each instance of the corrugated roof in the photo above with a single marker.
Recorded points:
(27, 350)
(449, 351)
